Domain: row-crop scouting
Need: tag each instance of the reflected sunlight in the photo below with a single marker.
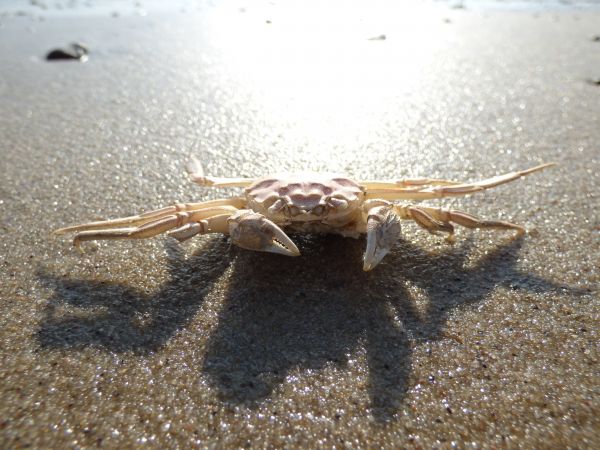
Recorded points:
(333, 72)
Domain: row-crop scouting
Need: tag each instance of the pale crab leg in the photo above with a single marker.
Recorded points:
(196, 173)
(439, 219)
(236, 202)
(450, 190)
(154, 227)
(215, 224)
(383, 230)
(406, 182)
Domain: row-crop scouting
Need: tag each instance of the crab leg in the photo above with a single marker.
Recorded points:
(450, 190)
(235, 202)
(196, 173)
(215, 224)
(161, 225)
(438, 219)
(406, 182)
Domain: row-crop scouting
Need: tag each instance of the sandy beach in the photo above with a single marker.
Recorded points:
(491, 342)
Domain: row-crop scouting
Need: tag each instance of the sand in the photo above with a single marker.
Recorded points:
(488, 343)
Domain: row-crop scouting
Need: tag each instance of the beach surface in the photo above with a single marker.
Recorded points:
(491, 342)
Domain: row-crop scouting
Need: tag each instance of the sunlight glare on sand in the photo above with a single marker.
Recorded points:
(332, 71)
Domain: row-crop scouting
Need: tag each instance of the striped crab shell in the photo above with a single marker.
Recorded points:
(305, 197)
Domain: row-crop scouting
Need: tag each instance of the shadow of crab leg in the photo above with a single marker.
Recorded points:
(196, 173)
(383, 230)
(439, 219)
(253, 231)
(412, 193)
(154, 227)
(133, 221)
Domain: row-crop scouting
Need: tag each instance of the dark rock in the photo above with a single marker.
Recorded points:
(75, 51)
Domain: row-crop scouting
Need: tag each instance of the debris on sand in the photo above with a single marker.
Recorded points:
(75, 51)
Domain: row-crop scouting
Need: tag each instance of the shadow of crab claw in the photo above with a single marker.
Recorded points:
(383, 230)
(253, 231)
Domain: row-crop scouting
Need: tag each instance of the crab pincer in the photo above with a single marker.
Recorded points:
(383, 230)
(253, 231)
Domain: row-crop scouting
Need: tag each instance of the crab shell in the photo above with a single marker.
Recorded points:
(303, 202)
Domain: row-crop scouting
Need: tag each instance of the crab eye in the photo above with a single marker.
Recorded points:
(337, 203)
(276, 206)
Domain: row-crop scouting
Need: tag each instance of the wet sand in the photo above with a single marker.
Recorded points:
(488, 343)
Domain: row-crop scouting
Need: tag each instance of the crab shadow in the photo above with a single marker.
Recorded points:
(317, 310)
(120, 318)
(280, 314)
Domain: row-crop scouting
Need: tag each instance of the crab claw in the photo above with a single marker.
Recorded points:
(253, 231)
(383, 230)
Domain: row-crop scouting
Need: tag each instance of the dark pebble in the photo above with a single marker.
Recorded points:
(72, 52)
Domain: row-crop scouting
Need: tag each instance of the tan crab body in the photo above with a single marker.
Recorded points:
(305, 203)
(309, 202)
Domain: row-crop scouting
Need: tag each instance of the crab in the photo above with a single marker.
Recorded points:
(305, 203)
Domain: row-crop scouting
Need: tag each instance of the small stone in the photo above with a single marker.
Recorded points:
(75, 51)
